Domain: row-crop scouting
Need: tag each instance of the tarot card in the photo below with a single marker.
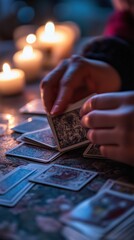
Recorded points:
(15, 194)
(11, 179)
(82, 230)
(92, 151)
(64, 177)
(43, 137)
(33, 107)
(101, 213)
(120, 187)
(34, 153)
(67, 128)
(31, 124)
(124, 230)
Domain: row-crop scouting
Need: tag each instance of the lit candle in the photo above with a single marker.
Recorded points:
(30, 61)
(12, 81)
(48, 37)
(29, 39)
(57, 39)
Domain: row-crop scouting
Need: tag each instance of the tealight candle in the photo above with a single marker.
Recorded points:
(29, 39)
(12, 81)
(30, 61)
(56, 39)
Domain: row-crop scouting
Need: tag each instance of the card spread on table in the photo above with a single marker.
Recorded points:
(124, 230)
(31, 124)
(34, 153)
(100, 213)
(120, 187)
(67, 128)
(92, 151)
(11, 179)
(19, 188)
(15, 194)
(64, 177)
(33, 107)
(43, 137)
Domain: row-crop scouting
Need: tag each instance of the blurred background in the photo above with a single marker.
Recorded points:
(90, 15)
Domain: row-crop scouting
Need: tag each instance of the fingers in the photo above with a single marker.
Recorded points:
(72, 81)
(101, 102)
(103, 136)
(99, 119)
(50, 85)
(118, 153)
(107, 101)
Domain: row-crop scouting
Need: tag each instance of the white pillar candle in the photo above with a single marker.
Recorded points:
(30, 61)
(12, 81)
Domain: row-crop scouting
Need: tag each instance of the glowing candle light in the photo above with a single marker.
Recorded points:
(12, 81)
(30, 61)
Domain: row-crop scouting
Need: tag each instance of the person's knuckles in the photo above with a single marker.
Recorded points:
(93, 136)
(125, 117)
(88, 120)
(79, 61)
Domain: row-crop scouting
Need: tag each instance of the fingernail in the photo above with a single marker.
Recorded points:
(54, 110)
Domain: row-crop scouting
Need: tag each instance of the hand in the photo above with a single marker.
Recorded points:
(110, 118)
(75, 79)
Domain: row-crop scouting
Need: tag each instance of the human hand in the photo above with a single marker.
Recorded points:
(75, 79)
(110, 119)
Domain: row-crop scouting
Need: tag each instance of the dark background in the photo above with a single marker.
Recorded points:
(90, 15)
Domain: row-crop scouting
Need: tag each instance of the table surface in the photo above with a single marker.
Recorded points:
(37, 215)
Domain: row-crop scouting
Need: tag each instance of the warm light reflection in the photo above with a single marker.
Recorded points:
(6, 68)
(31, 38)
(7, 120)
(27, 52)
(29, 119)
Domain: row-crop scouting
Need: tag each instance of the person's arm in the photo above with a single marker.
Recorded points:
(110, 119)
(119, 54)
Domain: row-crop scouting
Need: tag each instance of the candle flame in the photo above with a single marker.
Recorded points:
(6, 68)
(31, 38)
(27, 51)
(49, 28)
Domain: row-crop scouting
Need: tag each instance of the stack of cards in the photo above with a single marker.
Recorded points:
(31, 124)
(106, 215)
(41, 138)
(15, 184)
(43, 143)
(38, 145)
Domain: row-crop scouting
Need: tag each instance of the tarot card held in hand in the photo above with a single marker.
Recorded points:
(92, 151)
(34, 153)
(33, 107)
(31, 124)
(64, 177)
(67, 128)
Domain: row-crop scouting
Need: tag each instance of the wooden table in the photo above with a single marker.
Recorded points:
(37, 215)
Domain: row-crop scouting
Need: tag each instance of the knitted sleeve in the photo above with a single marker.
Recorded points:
(119, 54)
